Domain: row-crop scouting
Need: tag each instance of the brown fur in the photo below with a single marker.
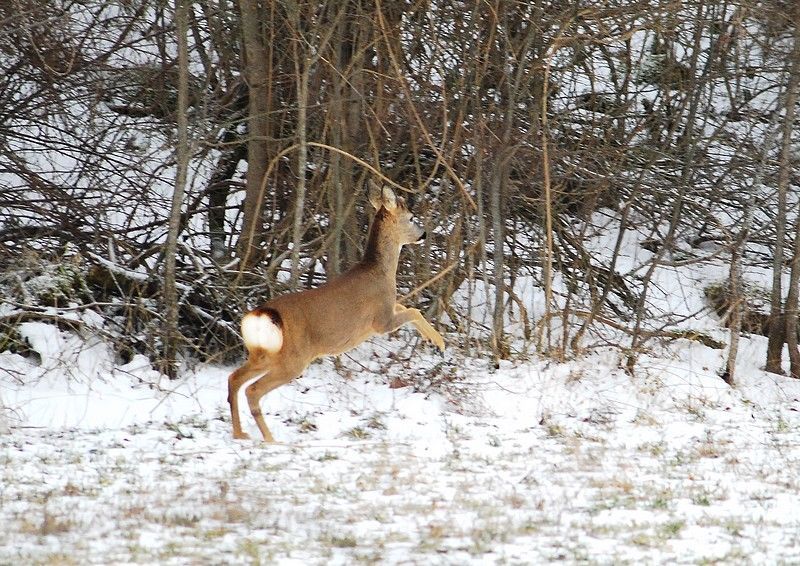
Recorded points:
(336, 316)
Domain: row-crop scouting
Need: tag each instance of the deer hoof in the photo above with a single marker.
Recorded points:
(241, 436)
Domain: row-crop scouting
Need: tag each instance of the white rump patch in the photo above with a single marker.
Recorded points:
(258, 331)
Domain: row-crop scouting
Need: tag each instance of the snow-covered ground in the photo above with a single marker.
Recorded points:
(535, 462)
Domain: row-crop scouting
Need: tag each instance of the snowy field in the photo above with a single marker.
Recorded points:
(533, 463)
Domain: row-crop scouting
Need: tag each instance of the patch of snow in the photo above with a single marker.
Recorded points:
(534, 462)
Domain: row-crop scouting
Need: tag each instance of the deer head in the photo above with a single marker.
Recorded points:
(392, 228)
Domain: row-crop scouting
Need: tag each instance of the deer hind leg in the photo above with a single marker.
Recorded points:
(403, 315)
(256, 390)
(238, 378)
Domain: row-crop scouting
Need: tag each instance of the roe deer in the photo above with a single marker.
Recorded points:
(287, 333)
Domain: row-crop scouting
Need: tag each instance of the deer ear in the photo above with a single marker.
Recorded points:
(375, 198)
(389, 199)
(381, 197)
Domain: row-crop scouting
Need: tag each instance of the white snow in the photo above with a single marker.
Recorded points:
(535, 462)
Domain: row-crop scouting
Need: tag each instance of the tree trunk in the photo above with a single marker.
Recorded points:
(171, 335)
(302, 158)
(789, 331)
(339, 167)
(257, 65)
(735, 312)
(499, 179)
(218, 189)
(336, 192)
(353, 112)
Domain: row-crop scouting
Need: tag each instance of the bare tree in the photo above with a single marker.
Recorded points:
(257, 37)
(533, 129)
(783, 323)
(171, 332)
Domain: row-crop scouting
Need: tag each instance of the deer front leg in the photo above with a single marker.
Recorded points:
(403, 315)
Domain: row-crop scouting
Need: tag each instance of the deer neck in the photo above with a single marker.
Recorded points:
(382, 252)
